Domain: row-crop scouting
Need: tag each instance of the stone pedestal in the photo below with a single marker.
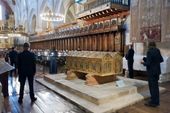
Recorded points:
(103, 98)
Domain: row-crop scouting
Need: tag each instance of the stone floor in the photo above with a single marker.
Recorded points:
(140, 108)
(47, 101)
(104, 98)
(50, 102)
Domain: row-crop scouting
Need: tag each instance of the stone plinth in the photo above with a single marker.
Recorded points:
(103, 98)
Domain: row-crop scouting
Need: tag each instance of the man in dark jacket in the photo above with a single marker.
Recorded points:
(26, 69)
(129, 57)
(152, 63)
(53, 61)
(13, 59)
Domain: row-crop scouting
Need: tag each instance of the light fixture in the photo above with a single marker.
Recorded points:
(14, 35)
(52, 17)
(3, 37)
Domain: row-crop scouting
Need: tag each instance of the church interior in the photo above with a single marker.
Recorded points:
(91, 56)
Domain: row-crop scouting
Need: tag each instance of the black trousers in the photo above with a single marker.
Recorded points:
(14, 70)
(31, 86)
(154, 90)
(53, 66)
(4, 82)
(130, 69)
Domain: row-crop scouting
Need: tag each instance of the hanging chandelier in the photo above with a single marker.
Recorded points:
(52, 17)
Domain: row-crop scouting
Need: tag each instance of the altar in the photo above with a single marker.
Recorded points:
(165, 66)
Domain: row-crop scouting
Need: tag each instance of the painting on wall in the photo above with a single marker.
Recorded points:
(165, 21)
(134, 20)
(147, 20)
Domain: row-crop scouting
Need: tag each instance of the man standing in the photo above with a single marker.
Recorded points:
(129, 57)
(152, 63)
(53, 61)
(26, 69)
(13, 60)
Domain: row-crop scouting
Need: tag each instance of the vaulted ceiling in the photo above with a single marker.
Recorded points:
(27, 12)
(5, 4)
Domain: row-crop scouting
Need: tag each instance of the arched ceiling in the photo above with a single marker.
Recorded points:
(25, 9)
(5, 4)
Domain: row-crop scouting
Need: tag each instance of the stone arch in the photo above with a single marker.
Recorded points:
(32, 13)
(43, 5)
(33, 24)
(17, 15)
(69, 5)
(71, 2)
(71, 13)
(46, 24)
(25, 24)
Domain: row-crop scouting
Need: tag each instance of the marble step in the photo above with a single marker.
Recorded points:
(110, 98)
(96, 94)
(90, 107)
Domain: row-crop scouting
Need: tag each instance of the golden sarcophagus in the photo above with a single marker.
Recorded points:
(98, 65)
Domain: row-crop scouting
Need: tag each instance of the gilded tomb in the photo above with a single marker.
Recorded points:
(96, 65)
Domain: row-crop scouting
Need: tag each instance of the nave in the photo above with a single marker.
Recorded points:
(47, 100)
(50, 102)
